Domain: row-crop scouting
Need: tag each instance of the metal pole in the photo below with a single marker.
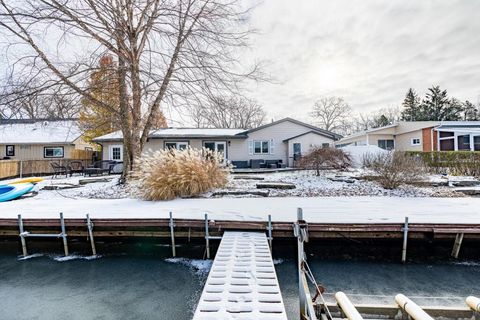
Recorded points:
(302, 297)
(270, 238)
(22, 238)
(457, 245)
(90, 234)
(207, 237)
(347, 307)
(172, 235)
(64, 234)
(410, 307)
(405, 239)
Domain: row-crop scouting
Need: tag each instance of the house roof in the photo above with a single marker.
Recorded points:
(312, 127)
(183, 133)
(39, 132)
(308, 132)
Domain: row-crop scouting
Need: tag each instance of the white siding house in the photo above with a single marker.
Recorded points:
(273, 141)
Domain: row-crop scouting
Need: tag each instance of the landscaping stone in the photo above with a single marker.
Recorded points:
(261, 193)
(248, 178)
(469, 192)
(275, 185)
(465, 183)
(342, 179)
(60, 186)
(94, 180)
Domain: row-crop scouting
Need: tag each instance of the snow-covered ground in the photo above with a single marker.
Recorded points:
(309, 185)
(316, 209)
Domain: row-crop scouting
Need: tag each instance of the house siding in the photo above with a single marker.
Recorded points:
(403, 142)
(34, 151)
(307, 142)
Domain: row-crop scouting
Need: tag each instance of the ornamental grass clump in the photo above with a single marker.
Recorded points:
(169, 174)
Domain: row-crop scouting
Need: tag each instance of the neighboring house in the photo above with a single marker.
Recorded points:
(420, 136)
(278, 140)
(27, 139)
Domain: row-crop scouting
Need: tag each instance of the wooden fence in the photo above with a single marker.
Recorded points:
(26, 168)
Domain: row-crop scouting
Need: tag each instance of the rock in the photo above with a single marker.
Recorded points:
(275, 185)
(248, 178)
(465, 183)
(342, 179)
(94, 180)
(261, 193)
(469, 192)
(60, 186)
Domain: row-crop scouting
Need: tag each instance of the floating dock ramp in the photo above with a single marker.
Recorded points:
(242, 283)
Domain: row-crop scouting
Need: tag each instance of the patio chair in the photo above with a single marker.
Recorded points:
(59, 170)
(273, 164)
(100, 167)
(257, 163)
(76, 167)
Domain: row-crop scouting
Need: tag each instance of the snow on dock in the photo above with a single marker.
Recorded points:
(242, 283)
(316, 209)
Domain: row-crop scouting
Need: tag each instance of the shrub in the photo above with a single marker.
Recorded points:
(394, 168)
(168, 174)
(453, 162)
(331, 157)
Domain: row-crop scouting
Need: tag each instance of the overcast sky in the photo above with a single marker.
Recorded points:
(369, 52)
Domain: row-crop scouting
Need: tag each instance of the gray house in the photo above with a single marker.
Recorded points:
(278, 141)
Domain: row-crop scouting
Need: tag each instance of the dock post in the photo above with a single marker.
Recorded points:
(269, 228)
(301, 289)
(405, 240)
(172, 234)
(22, 238)
(457, 245)
(207, 237)
(90, 235)
(64, 234)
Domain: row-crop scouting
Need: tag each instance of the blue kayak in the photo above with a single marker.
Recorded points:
(14, 191)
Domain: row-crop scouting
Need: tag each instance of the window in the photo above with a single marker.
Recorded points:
(10, 151)
(386, 144)
(176, 145)
(297, 148)
(116, 152)
(53, 152)
(415, 141)
(261, 147)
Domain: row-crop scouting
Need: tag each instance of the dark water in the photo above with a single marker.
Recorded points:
(142, 285)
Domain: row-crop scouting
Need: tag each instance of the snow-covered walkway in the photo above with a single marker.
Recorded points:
(317, 209)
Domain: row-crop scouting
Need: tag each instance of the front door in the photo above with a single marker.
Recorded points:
(219, 146)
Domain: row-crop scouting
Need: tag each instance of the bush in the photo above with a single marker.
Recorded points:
(454, 162)
(331, 157)
(394, 168)
(168, 174)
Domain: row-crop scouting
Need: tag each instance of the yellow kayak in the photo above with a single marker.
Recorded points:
(28, 180)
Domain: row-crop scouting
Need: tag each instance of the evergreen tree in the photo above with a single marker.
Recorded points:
(437, 107)
(470, 112)
(411, 106)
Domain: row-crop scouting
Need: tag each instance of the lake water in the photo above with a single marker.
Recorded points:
(142, 285)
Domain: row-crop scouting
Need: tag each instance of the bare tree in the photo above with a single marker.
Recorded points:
(330, 112)
(233, 112)
(167, 52)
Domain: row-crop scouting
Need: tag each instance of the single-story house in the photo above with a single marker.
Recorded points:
(27, 139)
(279, 140)
(420, 136)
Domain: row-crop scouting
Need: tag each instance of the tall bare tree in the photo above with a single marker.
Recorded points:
(330, 112)
(233, 112)
(167, 52)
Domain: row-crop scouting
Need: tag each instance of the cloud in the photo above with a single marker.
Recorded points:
(367, 51)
